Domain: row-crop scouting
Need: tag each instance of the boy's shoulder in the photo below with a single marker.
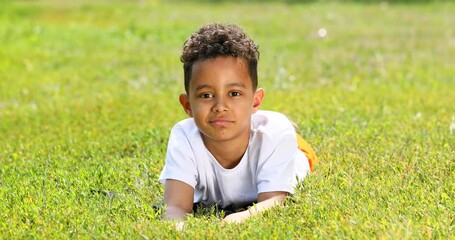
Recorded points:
(271, 123)
(186, 127)
(272, 115)
(185, 136)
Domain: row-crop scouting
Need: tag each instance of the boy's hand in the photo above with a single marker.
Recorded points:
(179, 225)
(237, 217)
(266, 201)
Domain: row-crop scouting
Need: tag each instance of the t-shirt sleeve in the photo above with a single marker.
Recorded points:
(180, 161)
(276, 170)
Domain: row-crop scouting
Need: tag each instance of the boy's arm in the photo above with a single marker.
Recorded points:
(266, 201)
(178, 197)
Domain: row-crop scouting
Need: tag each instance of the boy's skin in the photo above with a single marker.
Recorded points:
(221, 99)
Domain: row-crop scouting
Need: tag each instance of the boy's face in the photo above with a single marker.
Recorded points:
(221, 98)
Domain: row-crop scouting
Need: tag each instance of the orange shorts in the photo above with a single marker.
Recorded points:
(309, 152)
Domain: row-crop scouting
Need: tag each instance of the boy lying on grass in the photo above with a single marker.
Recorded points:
(229, 153)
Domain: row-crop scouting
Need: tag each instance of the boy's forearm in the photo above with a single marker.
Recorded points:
(256, 209)
(266, 204)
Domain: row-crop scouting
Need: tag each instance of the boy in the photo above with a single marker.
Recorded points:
(228, 152)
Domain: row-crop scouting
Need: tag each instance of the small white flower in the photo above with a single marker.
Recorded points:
(33, 106)
(322, 32)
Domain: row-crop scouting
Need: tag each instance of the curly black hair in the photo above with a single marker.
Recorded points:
(214, 40)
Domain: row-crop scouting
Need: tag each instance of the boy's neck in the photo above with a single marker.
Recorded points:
(227, 153)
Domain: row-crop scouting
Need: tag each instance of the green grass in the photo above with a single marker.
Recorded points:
(88, 94)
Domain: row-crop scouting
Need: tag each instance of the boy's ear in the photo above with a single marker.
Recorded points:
(258, 97)
(185, 102)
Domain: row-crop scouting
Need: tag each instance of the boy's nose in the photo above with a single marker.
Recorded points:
(220, 105)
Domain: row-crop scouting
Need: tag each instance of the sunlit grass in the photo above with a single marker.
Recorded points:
(88, 94)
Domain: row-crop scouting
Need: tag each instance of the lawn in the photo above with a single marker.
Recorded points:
(89, 92)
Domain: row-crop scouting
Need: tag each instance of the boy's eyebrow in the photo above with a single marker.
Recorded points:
(235, 84)
(199, 87)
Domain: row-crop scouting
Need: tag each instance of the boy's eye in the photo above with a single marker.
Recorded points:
(234, 94)
(206, 95)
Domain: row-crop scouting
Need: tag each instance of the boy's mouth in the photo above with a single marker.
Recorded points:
(220, 122)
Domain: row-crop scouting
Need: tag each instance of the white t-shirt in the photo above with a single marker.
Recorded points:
(272, 162)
